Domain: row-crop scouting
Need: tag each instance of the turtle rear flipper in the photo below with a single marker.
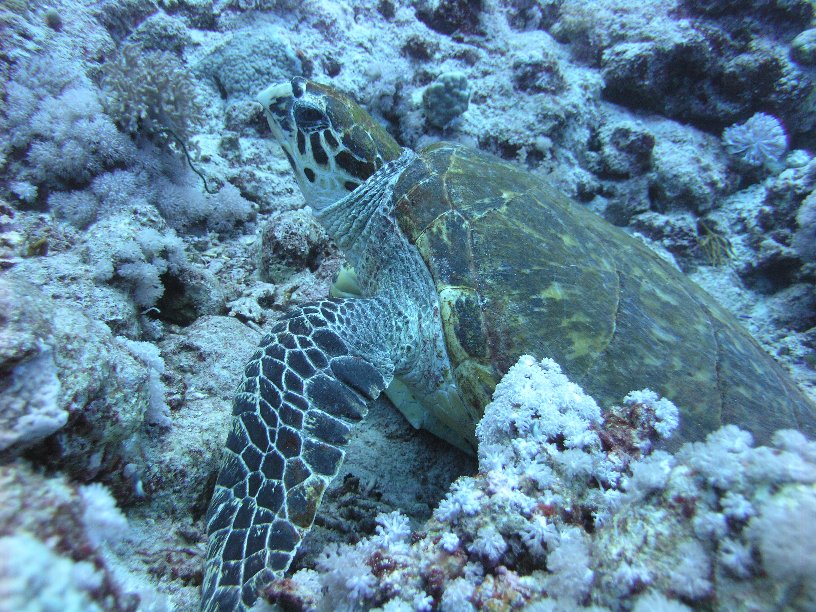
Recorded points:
(302, 392)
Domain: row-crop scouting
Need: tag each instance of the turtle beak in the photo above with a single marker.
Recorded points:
(277, 105)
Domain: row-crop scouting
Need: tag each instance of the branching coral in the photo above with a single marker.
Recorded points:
(149, 93)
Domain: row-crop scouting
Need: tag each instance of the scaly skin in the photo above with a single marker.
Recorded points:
(308, 384)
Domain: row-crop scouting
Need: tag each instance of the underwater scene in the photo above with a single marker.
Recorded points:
(407, 305)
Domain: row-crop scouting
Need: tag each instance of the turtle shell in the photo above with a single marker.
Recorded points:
(520, 269)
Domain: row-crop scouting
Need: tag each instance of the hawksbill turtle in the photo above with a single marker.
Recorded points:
(464, 263)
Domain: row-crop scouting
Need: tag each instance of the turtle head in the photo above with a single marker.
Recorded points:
(332, 143)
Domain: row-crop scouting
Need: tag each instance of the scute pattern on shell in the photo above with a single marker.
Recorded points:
(552, 279)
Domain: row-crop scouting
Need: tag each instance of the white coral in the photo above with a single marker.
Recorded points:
(489, 543)
(569, 565)
(690, 577)
(654, 601)
(538, 535)
(422, 602)
(345, 575)
(392, 529)
(650, 474)
(492, 458)
(795, 441)
(666, 414)
(553, 407)
(33, 577)
(464, 498)
(736, 556)
(541, 473)
(761, 140)
(447, 510)
(449, 542)
(720, 459)
(708, 524)
(103, 520)
(360, 586)
(456, 597)
(735, 506)
(717, 504)
(628, 577)
(784, 531)
(575, 463)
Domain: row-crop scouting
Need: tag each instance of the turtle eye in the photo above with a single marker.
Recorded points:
(310, 119)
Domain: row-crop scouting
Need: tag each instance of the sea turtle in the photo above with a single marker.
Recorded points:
(465, 262)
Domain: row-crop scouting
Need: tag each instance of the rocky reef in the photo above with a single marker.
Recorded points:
(150, 231)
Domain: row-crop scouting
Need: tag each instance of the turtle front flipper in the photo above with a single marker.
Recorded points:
(303, 390)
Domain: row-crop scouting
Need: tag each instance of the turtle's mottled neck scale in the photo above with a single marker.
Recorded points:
(349, 221)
